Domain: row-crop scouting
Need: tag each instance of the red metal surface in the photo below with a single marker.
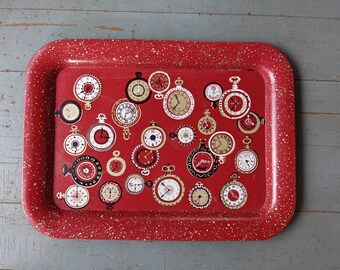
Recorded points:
(265, 75)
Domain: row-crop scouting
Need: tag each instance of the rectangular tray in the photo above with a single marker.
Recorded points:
(259, 204)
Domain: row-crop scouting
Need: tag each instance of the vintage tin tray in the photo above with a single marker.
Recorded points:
(159, 140)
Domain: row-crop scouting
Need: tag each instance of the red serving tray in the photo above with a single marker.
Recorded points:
(267, 78)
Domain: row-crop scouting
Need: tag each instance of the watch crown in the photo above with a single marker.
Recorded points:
(234, 176)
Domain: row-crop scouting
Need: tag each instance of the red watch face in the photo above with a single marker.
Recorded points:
(202, 162)
(206, 125)
(159, 82)
(144, 158)
(233, 195)
(235, 103)
(86, 171)
(101, 136)
(116, 166)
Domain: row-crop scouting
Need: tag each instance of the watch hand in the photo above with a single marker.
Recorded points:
(233, 194)
(101, 133)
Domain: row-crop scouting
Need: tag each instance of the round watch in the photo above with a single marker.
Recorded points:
(185, 135)
(134, 184)
(250, 123)
(199, 196)
(110, 193)
(207, 124)
(75, 197)
(213, 92)
(75, 144)
(153, 137)
(144, 159)
(221, 144)
(246, 160)
(137, 90)
(233, 195)
(159, 82)
(70, 112)
(116, 166)
(87, 88)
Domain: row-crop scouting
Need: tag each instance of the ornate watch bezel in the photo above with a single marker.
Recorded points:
(233, 184)
(199, 186)
(116, 157)
(145, 169)
(74, 133)
(257, 124)
(153, 125)
(247, 141)
(208, 118)
(141, 81)
(159, 93)
(110, 203)
(65, 196)
(88, 103)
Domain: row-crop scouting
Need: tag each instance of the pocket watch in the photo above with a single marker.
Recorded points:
(207, 124)
(116, 166)
(178, 102)
(200, 196)
(75, 197)
(153, 137)
(213, 92)
(110, 193)
(168, 189)
(233, 194)
(75, 144)
(101, 136)
(159, 82)
(137, 90)
(246, 160)
(87, 88)
(185, 135)
(125, 115)
(134, 184)
(201, 162)
(85, 171)
(250, 123)
(69, 112)
(221, 144)
(234, 103)
(144, 159)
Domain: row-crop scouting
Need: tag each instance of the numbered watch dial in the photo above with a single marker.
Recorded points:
(186, 135)
(249, 124)
(110, 193)
(137, 90)
(75, 144)
(134, 184)
(233, 195)
(221, 143)
(144, 159)
(200, 196)
(159, 82)
(213, 92)
(207, 125)
(116, 166)
(70, 112)
(168, 190)
(153, 137)
(246, 161)
(75, 197)
(87, 88)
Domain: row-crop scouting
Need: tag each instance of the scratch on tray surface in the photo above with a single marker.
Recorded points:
(101, 27)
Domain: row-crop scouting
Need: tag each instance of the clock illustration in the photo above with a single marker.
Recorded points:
(144, 159)
(87, 88)
(116, 166)
(178, 102)
(125, 114)
(221, 144)
(75, 197)
(246, 160)
(101, 136)
(134, 184)
(250, 123)
(207, 124)
(159, 82)
(233, 195)
(213, 92)
(70, 112)
(85, 171)
(185, 135)
(201, 162)
(137, 90)
(153, 137)
(110, 193)
(199, 196)
(168, 189)
(234, 103)
(75, 144)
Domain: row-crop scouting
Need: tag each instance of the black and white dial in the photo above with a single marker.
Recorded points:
(87, 88)
(75, 144)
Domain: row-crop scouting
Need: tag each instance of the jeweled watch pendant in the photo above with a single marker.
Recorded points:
(250, 123)
(101, 136)
(70, 112)
(201, 162)
(75, 197)
(137, 90)
(85, 171)
(246, 160)
(134, 184)
(153, 137)
(168, 189)
(234, 103)
(125, 114)
(178, 102)
(207, 124)
(199, 196)
(233, 194)
(185, 135)
(87, 88)
(213, 92)
(159, 82)
(144, 159)
(116, 166)
(75, 144)
(221, 144)
(110, 193)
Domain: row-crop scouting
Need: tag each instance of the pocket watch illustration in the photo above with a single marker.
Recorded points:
(144, 159)
(75, 144)
(233, 194)
(159, 82)
(213, 92)
(234, 103)
(221, 144)
(178, 102)
(85, 171)
(75, 197)
(110, 193)
(87, 88)
(200, 196)
(137, 90)
(125, 115)
(101, 136)
(116, 166)
(185, 135)
(207, 124)
(201, 162)
(168, 189)
(250, 123)
(134, 184)
(69, 112)
(246, 160)
(153, 137)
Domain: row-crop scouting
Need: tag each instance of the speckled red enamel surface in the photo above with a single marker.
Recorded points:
(277, 202)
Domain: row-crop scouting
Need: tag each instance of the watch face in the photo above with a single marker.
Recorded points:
(127, 113)
(200, 197)
(134, 184)
(207, 125)
(138, 91)
(178, 103)
(213, 92)
(234, 104)
(143, 158)
(87, 88)
(70, 112)
(75, 144)
(186, 135)
(159, 82)
(168, 190)
(116, 166)
(221, 143)
(153, 137)
(233, 195)
(110, 193)
(101, 137)
(246, 161)
(249, 124)
(77, 197)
